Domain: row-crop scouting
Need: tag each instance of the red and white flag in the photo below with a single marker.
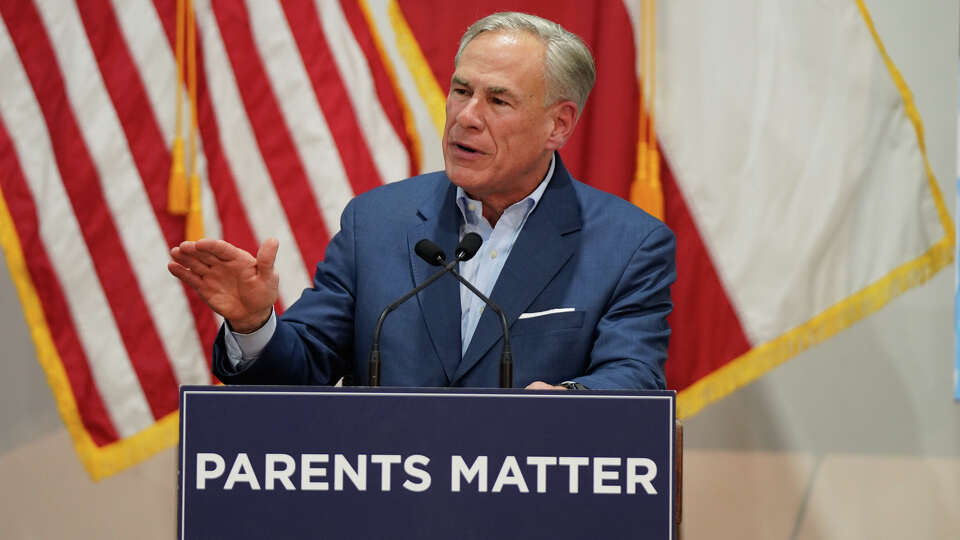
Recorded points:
(792, 171)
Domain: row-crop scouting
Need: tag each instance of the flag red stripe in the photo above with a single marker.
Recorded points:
(707, 333)
(273, 138)
(23, 211)
(80, 178)
(605, 142)
(143, 134)
(381, 80)
(233, 217)
(332, 95)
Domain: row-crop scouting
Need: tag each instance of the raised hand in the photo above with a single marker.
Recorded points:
(240, 287)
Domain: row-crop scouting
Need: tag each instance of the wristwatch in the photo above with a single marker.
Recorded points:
(570, 385)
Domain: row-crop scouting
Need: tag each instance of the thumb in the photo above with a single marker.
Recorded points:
(267, 254)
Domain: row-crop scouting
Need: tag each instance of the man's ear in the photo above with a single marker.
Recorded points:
(564, 118)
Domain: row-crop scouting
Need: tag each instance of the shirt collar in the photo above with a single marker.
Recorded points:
(530, 201)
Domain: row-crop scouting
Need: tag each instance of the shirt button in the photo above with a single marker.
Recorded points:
(493, 254)
(471, 207)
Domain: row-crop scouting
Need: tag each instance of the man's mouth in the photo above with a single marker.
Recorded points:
(465, 148)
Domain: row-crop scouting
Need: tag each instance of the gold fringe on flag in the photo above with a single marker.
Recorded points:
(183, 196)
(646, 190)
(194, 226)
(177, 193)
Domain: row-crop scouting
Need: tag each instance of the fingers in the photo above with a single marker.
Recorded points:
(267, 254)
(190, 261)
(540, 385)
(184, 274)
(192, 249)
(222, 250)
(204, 255)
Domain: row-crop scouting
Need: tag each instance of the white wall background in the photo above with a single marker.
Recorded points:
(856, 438)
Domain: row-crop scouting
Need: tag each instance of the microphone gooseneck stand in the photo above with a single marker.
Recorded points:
(506, 354)
(471, 243)
(430, 252)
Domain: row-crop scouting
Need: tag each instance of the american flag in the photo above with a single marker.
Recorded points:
(303, 104)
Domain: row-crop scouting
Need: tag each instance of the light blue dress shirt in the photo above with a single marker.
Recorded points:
(482, 270)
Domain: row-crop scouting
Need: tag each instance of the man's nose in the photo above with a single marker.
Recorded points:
(470, 115)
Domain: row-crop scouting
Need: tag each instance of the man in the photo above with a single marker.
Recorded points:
(582, 276)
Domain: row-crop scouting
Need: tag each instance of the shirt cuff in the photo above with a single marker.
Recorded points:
(243, 349)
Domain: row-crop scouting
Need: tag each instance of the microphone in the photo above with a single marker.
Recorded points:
(430, 252)
(471, 243)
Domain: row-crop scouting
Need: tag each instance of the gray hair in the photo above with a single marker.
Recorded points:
(569, 72)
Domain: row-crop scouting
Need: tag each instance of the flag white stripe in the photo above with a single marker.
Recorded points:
(212, 227)
(291, 85)
(432, 158)
(123, 188)
(109, 365)
(256, 191)
(157, 66)
(389, 154)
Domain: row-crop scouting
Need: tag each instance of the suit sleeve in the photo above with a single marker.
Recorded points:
(313, 341)
(630, 345)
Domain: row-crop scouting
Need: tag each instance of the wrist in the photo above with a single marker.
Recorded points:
(251, 324)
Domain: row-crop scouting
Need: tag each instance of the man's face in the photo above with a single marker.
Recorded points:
(498, 138)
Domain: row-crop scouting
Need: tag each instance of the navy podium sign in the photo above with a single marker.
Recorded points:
(311, 462)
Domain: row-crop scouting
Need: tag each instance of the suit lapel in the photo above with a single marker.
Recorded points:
(543, 247)
(440, 302)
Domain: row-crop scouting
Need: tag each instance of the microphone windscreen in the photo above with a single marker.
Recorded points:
(430, 252)
(468, 246)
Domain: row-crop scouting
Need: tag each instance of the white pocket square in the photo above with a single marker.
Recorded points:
(547, 312)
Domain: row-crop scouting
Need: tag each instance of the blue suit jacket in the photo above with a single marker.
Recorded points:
(580, 248)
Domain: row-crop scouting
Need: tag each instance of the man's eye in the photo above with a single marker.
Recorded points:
(498, 101)
(460, 91)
